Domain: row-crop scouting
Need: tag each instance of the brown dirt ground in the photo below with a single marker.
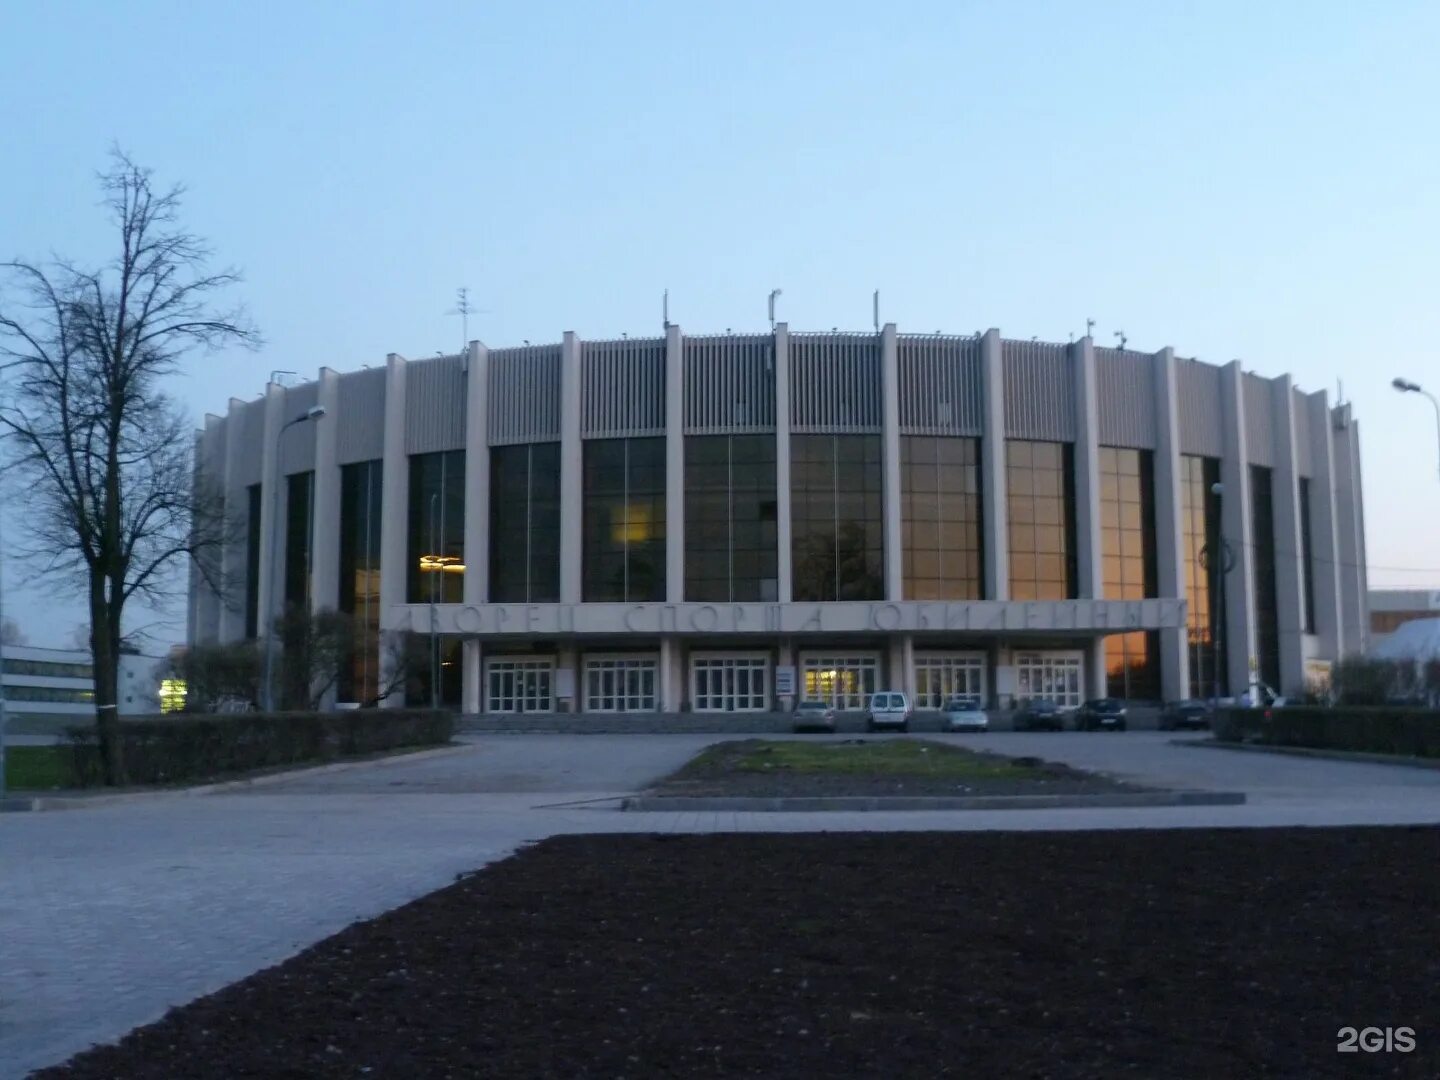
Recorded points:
(1155, 954)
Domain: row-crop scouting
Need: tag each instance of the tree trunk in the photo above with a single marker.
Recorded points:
(104, 652)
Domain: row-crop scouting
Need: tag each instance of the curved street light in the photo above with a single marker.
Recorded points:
(1405, 386)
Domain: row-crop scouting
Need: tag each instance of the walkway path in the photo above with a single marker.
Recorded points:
(111, 915)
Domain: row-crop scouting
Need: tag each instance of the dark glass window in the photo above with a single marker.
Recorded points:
(442, 655)
(252, 561)
(299, 529)
(940, 510)
(730, 552)
(1040, 506)
(1307, 556)
(525, 524)
(624, 519)
(437, 528)
(1200, 520)
(360, 510)
(1127, 533)
(836, 512)
(1267, 626)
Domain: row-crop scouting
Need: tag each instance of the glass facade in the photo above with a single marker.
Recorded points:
(1307, 559)
(436, 528)
(252, 561)
(360, 509)
(624, 524)
(1200, 525)
(53, 669)
(299, 531)
(837, 536)
(1127, 533)
(444, 659)
(940, 510)
(1267, 626)
(53, 694)
(730, 515)
(525, 524)
(1040, 506)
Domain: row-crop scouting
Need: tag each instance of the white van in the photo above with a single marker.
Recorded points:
(889, 709)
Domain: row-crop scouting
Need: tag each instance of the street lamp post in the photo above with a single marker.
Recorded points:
(315, 412)
(1405, 386)
(435, 571)
(2, 672)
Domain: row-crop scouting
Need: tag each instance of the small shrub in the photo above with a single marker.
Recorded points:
(187, 748)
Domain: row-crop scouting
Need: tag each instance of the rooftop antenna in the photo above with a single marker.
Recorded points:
(876, 305)
(1072, 337)
(1121, 335)
(665, 308)
(1089, 327)
(773, 294)
(275, 376)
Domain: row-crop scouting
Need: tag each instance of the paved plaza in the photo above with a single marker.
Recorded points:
(112, 914)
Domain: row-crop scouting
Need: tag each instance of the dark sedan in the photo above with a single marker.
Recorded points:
(1040, 714)
(1102, 714)
(1191, 714)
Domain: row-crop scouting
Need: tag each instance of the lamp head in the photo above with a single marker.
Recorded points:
(1404, 385)
(314, 412)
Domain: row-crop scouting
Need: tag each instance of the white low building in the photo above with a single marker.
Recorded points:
(47, 690)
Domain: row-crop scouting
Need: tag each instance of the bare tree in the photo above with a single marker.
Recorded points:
(11, 634)
(105, 453)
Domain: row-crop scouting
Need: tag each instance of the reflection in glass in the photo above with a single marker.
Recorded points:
(437, 528)
(299, 529)
(1267, 625)
(1200, 510)
(1040, 506)
(360, 510)
(836, 514)
(252, 561)
(940, 518)
(624, 522)
(525, 524)
(730, 538)
(1127, 533)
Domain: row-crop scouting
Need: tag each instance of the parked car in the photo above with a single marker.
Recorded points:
(813, 715)
(1192, 713)
(1101, 714)
(889, 709)
(965, 714)
(1040, 714)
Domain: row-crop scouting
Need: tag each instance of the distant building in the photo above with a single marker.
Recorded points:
(47, 690)
(1392, 608)
(724, 523)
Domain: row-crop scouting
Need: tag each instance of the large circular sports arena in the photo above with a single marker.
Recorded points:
(729, 523)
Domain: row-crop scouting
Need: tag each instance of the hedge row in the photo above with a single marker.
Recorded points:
(187, 748)
(1408, 731)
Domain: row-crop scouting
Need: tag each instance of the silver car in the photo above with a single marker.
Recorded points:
(965, 714)
(813, 715)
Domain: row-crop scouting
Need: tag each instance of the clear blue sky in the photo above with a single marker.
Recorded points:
(1233, 179)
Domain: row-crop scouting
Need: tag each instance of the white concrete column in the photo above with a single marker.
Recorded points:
(476, 589)
(202, 612)
(900, 661)
(1235, 529)
(894, 555)
(992, 469)
(785, 657)
(567, 658)
(1096, 678)
(472, 695)
(674, 465)
(476, 585)
(672, 674)
(272, 511)
(572, 468)
(395, 509)
(325, 528)
(1354, 606)
(237, 526)
(1169, 526)
(785, 583)
(1289, 565)
(1089, 543)
(1324, 534)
